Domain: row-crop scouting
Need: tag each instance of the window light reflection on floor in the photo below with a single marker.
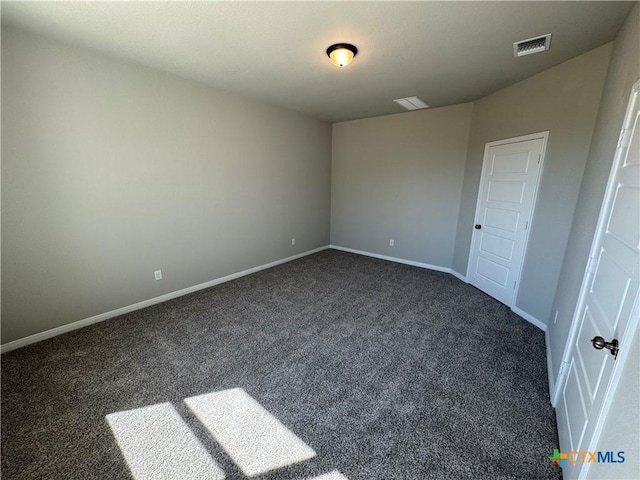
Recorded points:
(256, 440)
(157, 443)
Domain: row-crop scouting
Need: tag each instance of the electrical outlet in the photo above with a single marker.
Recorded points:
(392, 243)
(555, 318)
(293, 241)
(158, 274)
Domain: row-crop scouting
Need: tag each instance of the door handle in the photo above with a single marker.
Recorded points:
(599, 343)
(478, 226)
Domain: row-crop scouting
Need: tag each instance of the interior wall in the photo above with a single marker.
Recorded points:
(563, 100)
(399, 177)
(111, 171)
(623, 73)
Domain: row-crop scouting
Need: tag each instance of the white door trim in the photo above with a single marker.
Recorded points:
(616, 377)
(589, 272)
(523, 138)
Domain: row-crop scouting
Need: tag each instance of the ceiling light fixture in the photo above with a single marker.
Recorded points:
(341, 54)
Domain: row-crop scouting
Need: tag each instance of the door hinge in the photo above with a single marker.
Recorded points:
(539, 158)
(625, 138)
(514, 284)
(564, 369)
(591, 265)
(526, 225)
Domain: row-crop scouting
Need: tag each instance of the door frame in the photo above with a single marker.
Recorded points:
(474, 237)
(631, 327)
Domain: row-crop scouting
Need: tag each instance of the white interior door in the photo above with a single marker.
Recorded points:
(508, 186)
(608, 304)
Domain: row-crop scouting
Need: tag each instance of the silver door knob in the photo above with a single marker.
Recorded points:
(599, 343)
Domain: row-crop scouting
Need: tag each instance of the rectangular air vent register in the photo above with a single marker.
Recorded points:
(532, 45)
(411, 103)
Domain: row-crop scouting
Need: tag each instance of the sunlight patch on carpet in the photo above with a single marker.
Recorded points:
(157, 443)
(333, 475)
(255, 440)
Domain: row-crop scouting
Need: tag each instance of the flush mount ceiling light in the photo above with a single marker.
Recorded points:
(341, 54)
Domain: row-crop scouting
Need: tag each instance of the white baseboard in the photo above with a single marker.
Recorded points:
(458, 275)
(552, 385)
(530, 318)
(393, 259)
(22, 342)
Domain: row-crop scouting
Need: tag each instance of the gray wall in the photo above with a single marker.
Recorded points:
(111, 171)
(563, 100)
(399, 177)
(623, 73)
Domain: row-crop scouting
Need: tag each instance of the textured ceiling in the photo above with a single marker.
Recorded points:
(444, 52)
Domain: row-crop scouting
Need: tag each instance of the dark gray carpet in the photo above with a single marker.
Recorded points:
(387, 371)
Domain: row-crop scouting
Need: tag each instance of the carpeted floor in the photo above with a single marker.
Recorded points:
(386, 371)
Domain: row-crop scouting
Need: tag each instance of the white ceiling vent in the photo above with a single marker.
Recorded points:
(532, 45)
(411, 103)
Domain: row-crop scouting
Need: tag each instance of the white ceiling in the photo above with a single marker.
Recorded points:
(444, 52)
